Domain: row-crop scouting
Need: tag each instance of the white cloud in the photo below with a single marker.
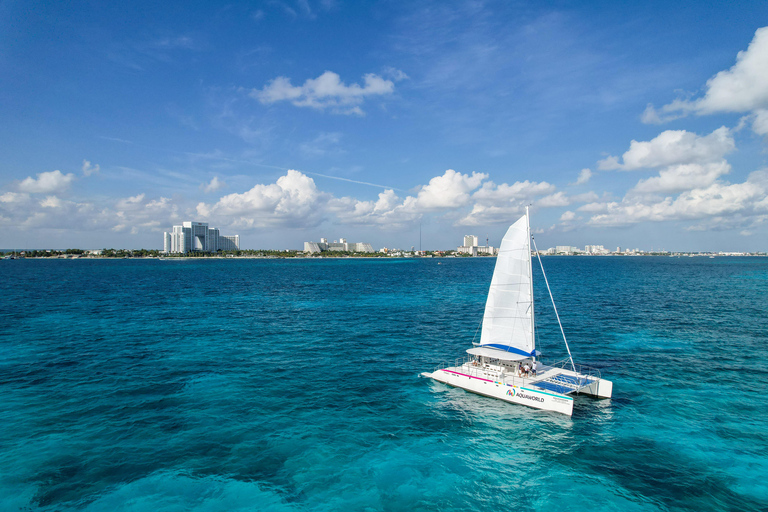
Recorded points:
(493, 194)
(292, 201)
(553, 200)
(131, 203)
(51, 202)
(678, 178)
(89, 169)
(498, 204)
(388, 211)
(596, 206)
(14, 198)
(742, 88)
(584, 176)
(47, 183)
(395, 74)
(760, 122)
(482, 214)
(213, 185)
(567, 216)
(716, 199)
(451, 190)
(673, 147)
(448, 195)
(324, 92)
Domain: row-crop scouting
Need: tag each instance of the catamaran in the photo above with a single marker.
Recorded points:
(505, 363)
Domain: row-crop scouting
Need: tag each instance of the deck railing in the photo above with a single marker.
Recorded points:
(484, 371)
(468, 367)
(588, 371)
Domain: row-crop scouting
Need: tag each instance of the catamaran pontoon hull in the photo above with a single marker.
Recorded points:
(522, 395)
(550, 390)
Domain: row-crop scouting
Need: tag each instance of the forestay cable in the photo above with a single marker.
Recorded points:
(553, 304)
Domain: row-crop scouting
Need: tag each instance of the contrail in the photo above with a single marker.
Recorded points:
(226, 159)
(351, 181)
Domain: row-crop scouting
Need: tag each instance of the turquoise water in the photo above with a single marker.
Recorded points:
(284, 385)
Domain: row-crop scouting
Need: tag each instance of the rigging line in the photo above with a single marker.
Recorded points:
(478, 328)
(553, 304)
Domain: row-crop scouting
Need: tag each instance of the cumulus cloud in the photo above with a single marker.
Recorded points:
(760, 122)
(47, 183)
(53, 212)
(451, 190)
(717, 199)
(388, 211)
(673, 147)
(448, 194)
(131, 203)
(677, 178)
(584, 176)
(553, 200)
(688, 186)
(684, 160)
(141, 213)
(51, 202)
(497, 195)
(12, 198)
(498, 204)
(212, 186)
(292, 200)
(445, 193)
(325, 92)
(742, 88)
(89, 169)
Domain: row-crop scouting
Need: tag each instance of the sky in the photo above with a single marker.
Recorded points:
(632, 124)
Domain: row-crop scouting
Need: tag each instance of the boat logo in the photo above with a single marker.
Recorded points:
(511, 392)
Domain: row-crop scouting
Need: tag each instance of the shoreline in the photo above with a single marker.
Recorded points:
(223, 258)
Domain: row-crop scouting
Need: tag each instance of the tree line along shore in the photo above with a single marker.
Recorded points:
(287, 253)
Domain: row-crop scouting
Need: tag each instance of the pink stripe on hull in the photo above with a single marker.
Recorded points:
(465, 375)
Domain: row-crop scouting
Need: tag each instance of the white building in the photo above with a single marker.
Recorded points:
(470, 247)
(595, 249)
(341, 245)
(198, 237)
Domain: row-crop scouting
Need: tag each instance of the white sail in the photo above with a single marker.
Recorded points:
(508, 318)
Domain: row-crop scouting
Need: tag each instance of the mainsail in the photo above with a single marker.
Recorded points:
(508, 318)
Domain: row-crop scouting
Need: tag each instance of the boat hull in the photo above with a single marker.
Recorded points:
(600, 388)
(521, 395)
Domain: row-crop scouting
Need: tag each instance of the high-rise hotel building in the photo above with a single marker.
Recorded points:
(197, 236)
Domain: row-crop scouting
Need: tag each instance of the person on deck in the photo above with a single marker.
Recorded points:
(526, 369)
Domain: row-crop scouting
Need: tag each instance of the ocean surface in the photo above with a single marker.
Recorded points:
(292, 385)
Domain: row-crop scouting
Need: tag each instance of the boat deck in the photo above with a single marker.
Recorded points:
(549, 378)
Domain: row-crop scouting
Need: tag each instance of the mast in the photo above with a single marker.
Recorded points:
(530, 274)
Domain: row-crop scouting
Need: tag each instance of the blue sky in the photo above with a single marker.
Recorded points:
(635, 125)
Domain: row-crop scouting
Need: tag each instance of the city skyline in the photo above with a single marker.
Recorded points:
(389, 122)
